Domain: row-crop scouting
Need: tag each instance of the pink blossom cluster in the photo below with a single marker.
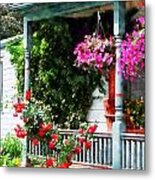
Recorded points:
(99, 52)
(133, 51)
(95, 52)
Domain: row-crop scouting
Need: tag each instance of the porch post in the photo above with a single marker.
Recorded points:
(27, 51)
(27, 57)
(118, 125)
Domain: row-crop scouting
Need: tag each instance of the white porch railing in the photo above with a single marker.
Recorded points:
(100, 154)
(133, 151)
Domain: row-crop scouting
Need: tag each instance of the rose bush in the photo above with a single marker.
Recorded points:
(39, 130)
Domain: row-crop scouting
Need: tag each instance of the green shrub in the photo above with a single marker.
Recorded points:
(11, 151)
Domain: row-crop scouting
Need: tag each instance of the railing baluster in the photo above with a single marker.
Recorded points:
(100, 150)
(133, 155)
(138, 155)
(104, 150)
(143, 155)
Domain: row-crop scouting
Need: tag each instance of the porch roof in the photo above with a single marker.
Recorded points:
(39, 11)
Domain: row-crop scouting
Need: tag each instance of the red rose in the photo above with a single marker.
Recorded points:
(41, 133)
(46, 127)
(20, 133)
(19, 107)
(49, 163)
(77, 150)
(81, 140)
(55, 137)
(64, 165)
(92, 129)
(51, 145)
(87, 144)
(35, 142)
(80, 131)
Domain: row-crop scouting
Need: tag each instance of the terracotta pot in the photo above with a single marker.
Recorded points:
(109, 101)
(131, 128)
(136, 130)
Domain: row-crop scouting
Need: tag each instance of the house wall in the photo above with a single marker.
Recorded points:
(7, 92)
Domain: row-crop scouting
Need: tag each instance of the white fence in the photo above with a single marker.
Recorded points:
(100, 154)
(133, 151)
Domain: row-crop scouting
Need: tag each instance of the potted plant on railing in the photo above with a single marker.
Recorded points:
(134, 115)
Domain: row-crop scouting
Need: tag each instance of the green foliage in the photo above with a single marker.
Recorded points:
(10, 22)
(16, 50)
(11, 151)
(135, 110)
(55, 81)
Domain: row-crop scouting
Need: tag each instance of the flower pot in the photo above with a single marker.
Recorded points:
(109, 102)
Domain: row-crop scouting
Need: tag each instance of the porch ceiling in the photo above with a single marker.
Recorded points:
(39, 11)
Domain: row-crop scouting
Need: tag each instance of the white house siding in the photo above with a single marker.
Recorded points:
(8, 122)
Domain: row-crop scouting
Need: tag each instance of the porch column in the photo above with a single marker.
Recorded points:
(27, 52)
(27, 57)
(118, 125)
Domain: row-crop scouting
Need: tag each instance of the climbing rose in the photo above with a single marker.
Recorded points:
(80, 131)
(64, 165)
(87, 144)
(51, 145)
(46, 127)
(77, 149)
(92, 129)
(55, 137)
(41, 133)
(19, 106)
(81, 140)
(20, 132)
(49, 163)
(35, 142)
